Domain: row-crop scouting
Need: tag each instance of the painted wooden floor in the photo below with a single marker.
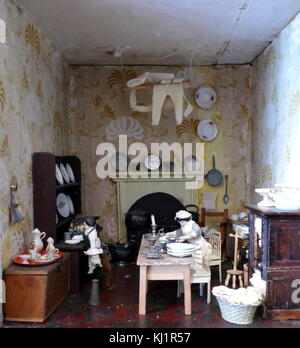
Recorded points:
(119, 308)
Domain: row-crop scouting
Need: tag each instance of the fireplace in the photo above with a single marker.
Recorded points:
(162, 205)
(134, 192)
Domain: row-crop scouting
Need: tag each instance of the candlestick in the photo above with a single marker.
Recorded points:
(152, 220)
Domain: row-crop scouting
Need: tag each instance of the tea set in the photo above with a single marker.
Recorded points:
(36, 253)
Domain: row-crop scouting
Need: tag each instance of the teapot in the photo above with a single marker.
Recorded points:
(37, 237)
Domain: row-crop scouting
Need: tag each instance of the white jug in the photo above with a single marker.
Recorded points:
(37, 237)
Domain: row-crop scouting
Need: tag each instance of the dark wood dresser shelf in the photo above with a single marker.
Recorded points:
(45, 190)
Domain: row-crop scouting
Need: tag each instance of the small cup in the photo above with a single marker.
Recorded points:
(52, 253)
(67, 235)
(33, 254)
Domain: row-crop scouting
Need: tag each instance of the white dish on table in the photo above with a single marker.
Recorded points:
(180, 247)
(180, 254)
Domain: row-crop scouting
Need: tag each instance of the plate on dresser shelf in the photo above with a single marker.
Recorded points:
(64, 173)
(71, 205)
(62, 205)
(58, 175)
(70, 172)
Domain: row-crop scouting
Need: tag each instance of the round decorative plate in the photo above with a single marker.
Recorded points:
(64, 173)
(205, 97)
(71, 205)
(58, 175)
(191, 164)
(70, 172)
(62, 205)
(207, 130)
(152, 162)
(119, 161)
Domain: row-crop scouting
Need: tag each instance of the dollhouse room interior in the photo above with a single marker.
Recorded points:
(149, 158)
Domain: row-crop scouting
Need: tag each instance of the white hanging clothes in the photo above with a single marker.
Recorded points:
(168, 87)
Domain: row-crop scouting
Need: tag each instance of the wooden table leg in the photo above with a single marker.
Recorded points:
(187, 291)
(143, 290)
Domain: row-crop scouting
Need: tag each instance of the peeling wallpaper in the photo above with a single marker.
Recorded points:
(276, 112)
(97, 104)
(33, 116)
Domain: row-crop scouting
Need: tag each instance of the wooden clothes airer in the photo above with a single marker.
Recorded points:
(235, 273)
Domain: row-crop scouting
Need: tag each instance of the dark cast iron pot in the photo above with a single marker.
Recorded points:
(137, 219)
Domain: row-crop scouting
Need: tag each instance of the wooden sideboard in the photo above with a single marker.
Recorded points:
(275, 251)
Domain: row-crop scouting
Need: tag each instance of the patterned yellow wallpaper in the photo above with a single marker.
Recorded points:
(276, 112)
(98, 106)
(33, 115)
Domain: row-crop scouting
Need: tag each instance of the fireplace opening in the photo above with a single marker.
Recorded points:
(138, 218)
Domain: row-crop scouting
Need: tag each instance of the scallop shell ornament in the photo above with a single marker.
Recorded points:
(124, 125)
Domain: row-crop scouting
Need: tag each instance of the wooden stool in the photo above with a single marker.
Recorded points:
(234, 272)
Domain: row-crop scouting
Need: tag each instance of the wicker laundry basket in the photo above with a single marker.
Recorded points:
(235, 313)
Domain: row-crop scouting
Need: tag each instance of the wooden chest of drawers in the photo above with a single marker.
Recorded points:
(33, 293)
(275, 251)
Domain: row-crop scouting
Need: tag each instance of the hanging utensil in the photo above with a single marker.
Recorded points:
(15, 212)
(226, 197)
(214, 177)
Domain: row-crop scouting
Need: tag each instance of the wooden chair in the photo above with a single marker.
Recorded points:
(223, 221)
(200, 273)
(215, 257)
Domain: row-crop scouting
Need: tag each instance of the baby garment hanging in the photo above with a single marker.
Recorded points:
(176, 93)
(168, 87)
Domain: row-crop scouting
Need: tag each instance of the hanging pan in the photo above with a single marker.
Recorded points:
(214, 177)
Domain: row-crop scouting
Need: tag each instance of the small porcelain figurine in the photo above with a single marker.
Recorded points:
(95, 247)
(189, 230)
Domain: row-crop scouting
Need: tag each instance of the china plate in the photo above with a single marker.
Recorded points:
(70, 172)
(64, 173)
(180, 247)
(205, 97)
(71, 205)
(58, 175)
(207, 130)
(119, 161)
(179, 255)
(62, 204)
(191, 164)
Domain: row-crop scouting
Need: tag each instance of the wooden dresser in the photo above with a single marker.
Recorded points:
(33, 293)
(275, 251)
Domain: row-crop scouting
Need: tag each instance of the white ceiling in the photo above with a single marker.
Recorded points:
(161, 32)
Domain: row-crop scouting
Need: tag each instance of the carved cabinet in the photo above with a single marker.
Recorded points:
(275, 251)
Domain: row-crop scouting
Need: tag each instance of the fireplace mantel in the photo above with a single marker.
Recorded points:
(129, 190)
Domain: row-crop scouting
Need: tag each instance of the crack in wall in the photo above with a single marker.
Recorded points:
(224, 49)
